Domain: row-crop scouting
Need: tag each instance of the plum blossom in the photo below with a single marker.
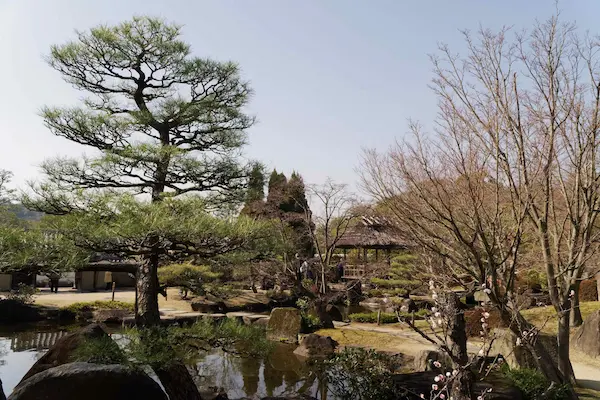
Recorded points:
(448, 374)
(437, 364)
(434, 386)
(487, 291)
(442, 396)
(486, 315)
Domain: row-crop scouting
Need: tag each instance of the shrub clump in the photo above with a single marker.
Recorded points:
(87, 306)
(361, 374)
(533, 384)
(385, 318)
(23, 294)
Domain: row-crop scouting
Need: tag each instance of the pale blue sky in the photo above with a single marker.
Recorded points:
(330, 77)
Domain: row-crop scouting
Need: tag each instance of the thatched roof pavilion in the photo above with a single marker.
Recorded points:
(371, 233)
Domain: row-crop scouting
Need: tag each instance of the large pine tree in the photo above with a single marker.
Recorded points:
(164, 123)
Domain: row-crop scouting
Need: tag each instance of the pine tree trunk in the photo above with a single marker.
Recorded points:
(2, 396)
(576, 319)
(178, 382)
(147, 313)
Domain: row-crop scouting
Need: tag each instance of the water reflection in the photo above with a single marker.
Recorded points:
(279, 374)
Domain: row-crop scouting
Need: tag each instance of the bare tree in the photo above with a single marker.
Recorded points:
(335, 212)
(515, 147)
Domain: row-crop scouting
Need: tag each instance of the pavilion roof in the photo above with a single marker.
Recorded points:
(373, 232)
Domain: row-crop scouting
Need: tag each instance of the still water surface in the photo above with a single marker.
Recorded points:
(279, 374)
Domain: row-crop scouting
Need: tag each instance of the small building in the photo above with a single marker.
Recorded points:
(91, 277)
(370, 233)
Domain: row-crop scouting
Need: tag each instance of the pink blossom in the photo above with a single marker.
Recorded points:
(434, 386)
(486, 314)
(448, 374)
(442, 396)
(437, 364)
(422, 396)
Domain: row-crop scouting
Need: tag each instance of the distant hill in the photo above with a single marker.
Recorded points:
(23, 213)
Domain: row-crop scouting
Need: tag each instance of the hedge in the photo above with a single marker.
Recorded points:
(386, 318)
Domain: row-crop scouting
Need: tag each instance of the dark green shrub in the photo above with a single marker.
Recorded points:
(310, 323)
(101, 350)
(86, 306)
(385, 318)
(23, 294)
(533, 384)
(361, 374)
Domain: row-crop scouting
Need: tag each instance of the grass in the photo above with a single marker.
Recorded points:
(545, 317)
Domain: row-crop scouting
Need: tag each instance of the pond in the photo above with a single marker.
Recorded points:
(279, 374)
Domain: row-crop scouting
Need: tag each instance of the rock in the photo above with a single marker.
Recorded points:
(62, 351)
(253, 318)
(505, 344)
(248, 301)
(424, 361)
(284, 325)
(110, 316)
(262, 322)
(89, 382)
(334, 313)
(204, 305)
(315, 346)
(587, 337)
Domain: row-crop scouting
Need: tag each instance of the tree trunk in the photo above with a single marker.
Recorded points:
(544, 360)
(178, 382)
(575, 315)
(462, 384)
(147, 313)
(564, 361)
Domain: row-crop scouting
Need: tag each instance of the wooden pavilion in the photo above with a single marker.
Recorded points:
(370, 233)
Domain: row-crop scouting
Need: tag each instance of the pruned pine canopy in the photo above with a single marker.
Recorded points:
(172, 228)
(164, 120)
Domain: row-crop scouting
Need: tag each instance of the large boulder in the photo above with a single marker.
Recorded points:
(205, 305)
(587, 337)
(90, 382)
(284, 325)
(334, 313)
(516, 355)
(63, 350)
(315, 346)
(426, 361)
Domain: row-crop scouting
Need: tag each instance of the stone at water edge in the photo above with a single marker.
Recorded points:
(284, 325)
(587, 336)
(505, 343)
(89, 382)
(62, 351)
(424, 360)
(314, 345)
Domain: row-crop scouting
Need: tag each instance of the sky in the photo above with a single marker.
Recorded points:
(331, 77)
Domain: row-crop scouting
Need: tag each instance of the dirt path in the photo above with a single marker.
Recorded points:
(65, 297)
